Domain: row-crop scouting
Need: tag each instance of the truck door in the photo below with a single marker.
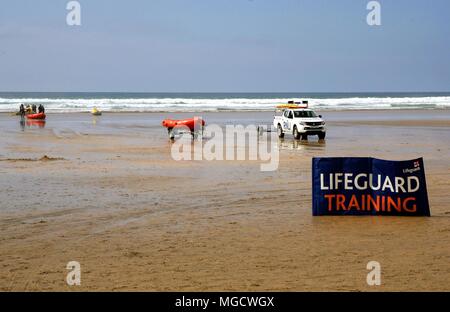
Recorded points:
(287, 124)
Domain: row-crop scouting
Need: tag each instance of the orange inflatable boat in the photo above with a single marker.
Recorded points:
(190, 123)
(39, 116)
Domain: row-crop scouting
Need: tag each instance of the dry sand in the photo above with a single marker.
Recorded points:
(109, 196)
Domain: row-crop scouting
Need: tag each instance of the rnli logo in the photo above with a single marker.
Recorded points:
(415, 168)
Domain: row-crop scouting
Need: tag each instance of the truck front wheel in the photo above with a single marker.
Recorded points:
(295, 133)
(280, 132)
(322, 136)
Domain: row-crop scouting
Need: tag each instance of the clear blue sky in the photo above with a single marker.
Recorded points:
(225, 45)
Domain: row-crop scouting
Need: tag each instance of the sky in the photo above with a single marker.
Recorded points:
(225, 46)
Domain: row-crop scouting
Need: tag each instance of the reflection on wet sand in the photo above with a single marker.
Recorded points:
(35, 123)
(30, 124)
(94, 120)
(289, 144)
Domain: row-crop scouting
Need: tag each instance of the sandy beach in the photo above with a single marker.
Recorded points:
(104, 191)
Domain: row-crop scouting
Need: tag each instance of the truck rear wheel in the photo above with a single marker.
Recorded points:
(295, 133)
(280, 131)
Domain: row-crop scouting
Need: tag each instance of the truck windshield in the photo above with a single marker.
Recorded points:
(304, 114)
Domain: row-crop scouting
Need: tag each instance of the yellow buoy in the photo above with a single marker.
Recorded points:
(96, 112)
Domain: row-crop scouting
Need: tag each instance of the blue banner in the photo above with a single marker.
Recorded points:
(369, 186)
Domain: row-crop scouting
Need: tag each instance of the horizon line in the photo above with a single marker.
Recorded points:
(226, 92)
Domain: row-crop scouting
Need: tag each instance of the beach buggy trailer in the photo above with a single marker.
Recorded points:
(194, 126)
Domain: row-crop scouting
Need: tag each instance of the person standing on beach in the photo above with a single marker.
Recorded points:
(22, 116)
(22, 110)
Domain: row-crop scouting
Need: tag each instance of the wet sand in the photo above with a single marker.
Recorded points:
(105, 192)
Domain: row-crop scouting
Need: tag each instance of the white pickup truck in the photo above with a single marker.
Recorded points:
(301, 122)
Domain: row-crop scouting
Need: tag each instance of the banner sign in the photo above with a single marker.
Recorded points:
(369, 186)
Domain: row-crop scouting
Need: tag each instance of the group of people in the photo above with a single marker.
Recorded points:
(31, 109)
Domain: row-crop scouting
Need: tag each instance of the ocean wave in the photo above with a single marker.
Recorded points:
(223, 104)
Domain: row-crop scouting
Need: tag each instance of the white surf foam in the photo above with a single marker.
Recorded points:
(194, 105)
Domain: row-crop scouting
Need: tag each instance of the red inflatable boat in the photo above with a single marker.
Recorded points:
(190, 123)
(39, 116)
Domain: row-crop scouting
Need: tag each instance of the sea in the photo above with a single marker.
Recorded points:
(68, 102)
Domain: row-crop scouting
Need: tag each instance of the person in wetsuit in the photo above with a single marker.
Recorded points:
(22, 110)
(41, 108)
(33, 108)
